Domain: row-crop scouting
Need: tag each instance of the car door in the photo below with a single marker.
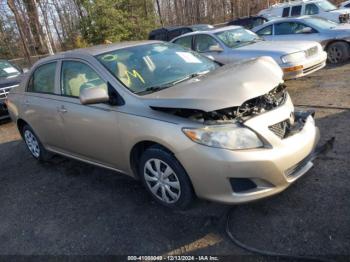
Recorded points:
(91, 131)
(41, 104)
(203, 44)
(293, 31)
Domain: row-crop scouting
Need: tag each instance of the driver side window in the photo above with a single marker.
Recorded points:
(75, 76)
(311, 9)
(289, 28)
(204, 42)
(265, 31)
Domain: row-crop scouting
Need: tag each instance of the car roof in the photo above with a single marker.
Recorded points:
(248, 17)
(210, 31)
(292, 3)
(167, 28)
(171, 28)
(284, 19)
(98, 49)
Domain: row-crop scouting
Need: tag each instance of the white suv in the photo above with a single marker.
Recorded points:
(321, 8)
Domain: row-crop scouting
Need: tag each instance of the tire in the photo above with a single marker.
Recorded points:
(165, 178)
(338, 52)
(34, 145)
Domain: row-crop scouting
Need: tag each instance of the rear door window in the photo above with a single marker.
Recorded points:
(311, 9)
(43, 79)
(296, 10)
(285, 12)
(184, 41)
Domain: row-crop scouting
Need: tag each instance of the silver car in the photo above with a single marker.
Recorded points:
(334, 38)
(229, 44)
(174, 119)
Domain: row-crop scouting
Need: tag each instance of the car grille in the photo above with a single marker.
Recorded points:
(311, 51)
(312, 68)
(4, 91)
(280, 129)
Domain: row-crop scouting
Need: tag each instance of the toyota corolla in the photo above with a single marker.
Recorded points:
(182, 124)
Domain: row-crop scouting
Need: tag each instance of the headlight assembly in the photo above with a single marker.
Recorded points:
(294, 58)
(231, 137)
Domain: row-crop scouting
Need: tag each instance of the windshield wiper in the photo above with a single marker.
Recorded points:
(153, 89)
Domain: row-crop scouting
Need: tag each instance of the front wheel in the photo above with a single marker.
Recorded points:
(165, 179)
(338, 52)
(34, 145)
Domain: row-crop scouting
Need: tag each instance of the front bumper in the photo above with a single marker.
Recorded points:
(309, 66)
(213, 171)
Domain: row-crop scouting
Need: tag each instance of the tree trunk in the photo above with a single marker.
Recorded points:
(19, 23)
(51, 44)
(35, 25)
(159, 13)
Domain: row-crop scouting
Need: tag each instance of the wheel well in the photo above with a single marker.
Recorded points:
(137, 151)
(336, 41)
(20, 124)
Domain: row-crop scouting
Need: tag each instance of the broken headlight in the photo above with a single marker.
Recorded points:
(231, 137)
(294, 58)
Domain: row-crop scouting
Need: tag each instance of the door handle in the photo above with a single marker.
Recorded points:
(62, 110)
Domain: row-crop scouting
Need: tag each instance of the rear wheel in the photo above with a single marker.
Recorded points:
(165, 179)
(34, 145)
(338, 52)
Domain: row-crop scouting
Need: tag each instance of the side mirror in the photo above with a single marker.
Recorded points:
(306, 30)
(93, 95)
(215, 48)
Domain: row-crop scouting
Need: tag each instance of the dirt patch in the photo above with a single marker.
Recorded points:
(8, 132)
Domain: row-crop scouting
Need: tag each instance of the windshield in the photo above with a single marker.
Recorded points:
(326, 6)
(7, 70)
(149, 68)
(237, 37)
(321, 23)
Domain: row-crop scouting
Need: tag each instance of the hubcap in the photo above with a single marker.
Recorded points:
(32, 143)
(162, 181)
(335, 55)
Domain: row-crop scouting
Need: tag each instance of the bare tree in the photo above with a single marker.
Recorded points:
(19, 22)
(35, 26)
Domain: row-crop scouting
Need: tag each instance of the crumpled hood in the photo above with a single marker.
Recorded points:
(229, 86)
(280, 47)
(5, 82)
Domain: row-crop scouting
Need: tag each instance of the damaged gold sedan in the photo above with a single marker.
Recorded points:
(170, 117)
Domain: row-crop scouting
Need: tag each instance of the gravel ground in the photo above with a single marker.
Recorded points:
(65, 207)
